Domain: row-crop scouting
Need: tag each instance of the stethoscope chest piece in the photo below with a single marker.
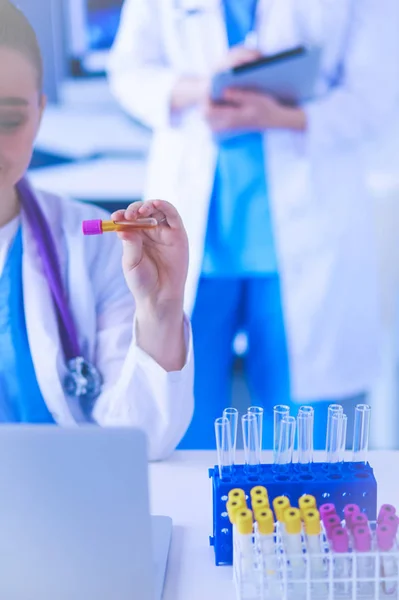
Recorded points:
(83, 381)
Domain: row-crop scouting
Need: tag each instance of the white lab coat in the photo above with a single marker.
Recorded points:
(136, 390)
(320, 206)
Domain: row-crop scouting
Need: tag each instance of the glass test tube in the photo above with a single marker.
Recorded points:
(251, 442)
(305, 436)
(334, 438)
(286, 444)
(231, 414)
(333, 409)
(223, 446)
(279, 412)
(361, 432)
(258, 412)
(344, 428)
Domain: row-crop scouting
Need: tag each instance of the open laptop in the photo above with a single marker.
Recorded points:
(74, 516)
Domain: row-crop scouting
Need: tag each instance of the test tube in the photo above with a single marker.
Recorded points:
(258, 412)
(251, 442)
(333, 409)
(334, 438)
(361, 432)
(305, 437)
(279, 412)
(344, 427)
(232, 415)
(286, 445)
(223, 446)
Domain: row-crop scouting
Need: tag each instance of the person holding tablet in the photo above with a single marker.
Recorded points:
(273, 196)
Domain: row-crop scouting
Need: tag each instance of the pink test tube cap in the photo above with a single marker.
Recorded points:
(331, 523)
(92, 227)
(359, 520)
(362, 539)
(340, 539)
(385, 537)
(350, 511)
(386, 510)
(391, 521)
(327, 510)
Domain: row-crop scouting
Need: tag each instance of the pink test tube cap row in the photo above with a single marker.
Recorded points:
(350, 511)
(391, 521)
(340, 540)
(327, 510)
(386, 510)
(362, 539)
(385, 537)
(331, 523)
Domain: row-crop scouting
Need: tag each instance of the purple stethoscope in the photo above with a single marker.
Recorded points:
(83, 380)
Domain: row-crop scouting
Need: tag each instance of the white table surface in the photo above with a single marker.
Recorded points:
(180, 488)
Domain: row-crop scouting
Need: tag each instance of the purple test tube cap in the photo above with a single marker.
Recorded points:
(327, 510)
(385, 537)
(330, 523)
(359, 520)
(340, 540)
(350, 511)
(92, 227)
(391, 521)
(386, 510)
(362, 539)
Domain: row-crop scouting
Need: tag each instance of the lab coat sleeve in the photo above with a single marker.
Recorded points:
(137, 391)
(367, 91)
(139, 75)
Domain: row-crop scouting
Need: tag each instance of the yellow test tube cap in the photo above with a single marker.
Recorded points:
(260, 502)
(237, 494)
(306, 502)
(233, 506)
(312, 521)
(244, 521)
(259, 491)
(280, 505)
(265, 521)
(292, 519)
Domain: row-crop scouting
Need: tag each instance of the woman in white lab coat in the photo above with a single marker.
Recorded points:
(82, 339)
(319, 224)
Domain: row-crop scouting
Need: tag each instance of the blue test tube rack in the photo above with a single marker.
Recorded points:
(350, 483)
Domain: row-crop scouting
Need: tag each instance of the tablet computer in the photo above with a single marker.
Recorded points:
(289, 76)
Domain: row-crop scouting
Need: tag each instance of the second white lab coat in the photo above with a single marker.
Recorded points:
(136, 391)
(319, 202)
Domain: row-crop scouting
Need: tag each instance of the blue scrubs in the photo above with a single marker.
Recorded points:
(239, 287)
(21, 400)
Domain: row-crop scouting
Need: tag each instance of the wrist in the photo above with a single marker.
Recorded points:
(294, 118)
(160, 314)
